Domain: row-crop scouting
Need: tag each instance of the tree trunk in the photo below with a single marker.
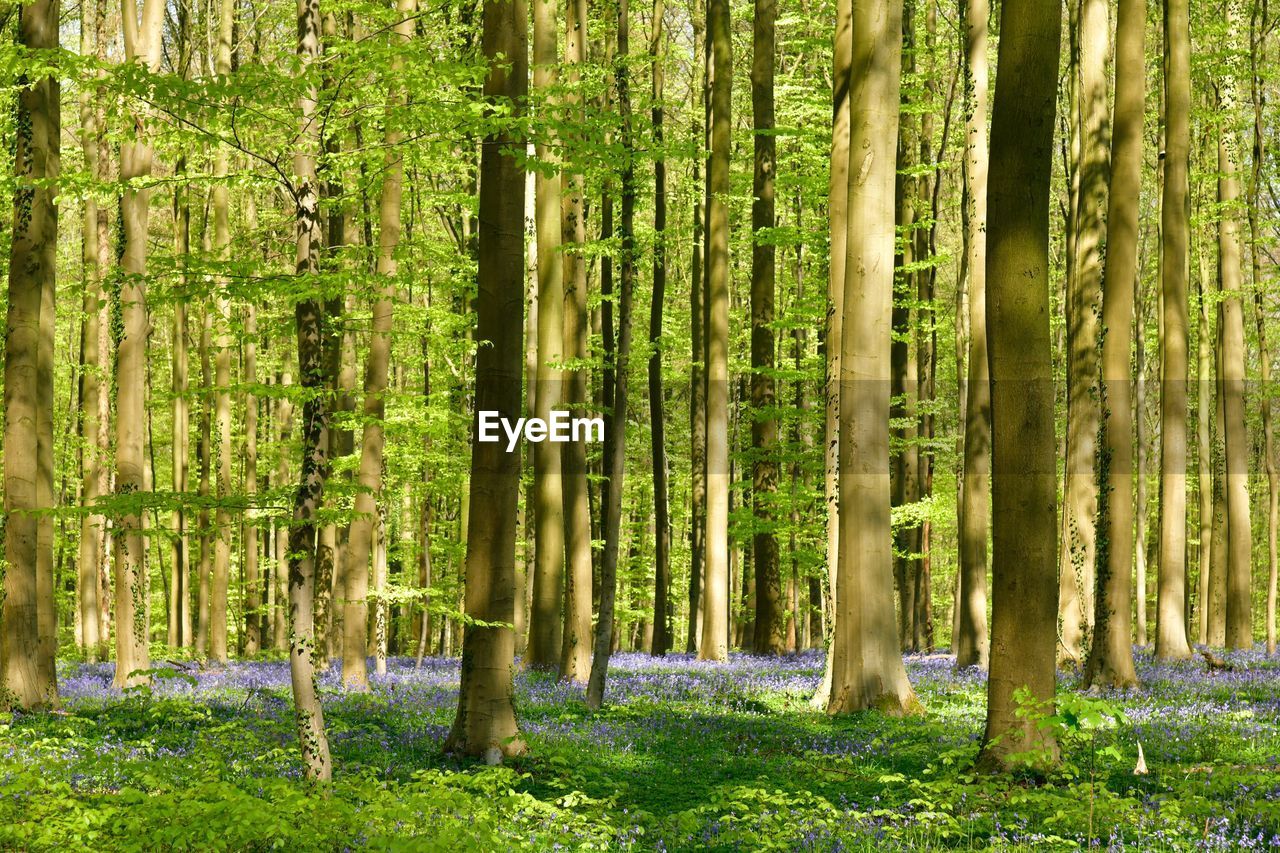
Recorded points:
(485, 723)
(545, 618)
(253, 589)
(1110, 662)
(142, 43)
(1084, 297)
(369, 490)
(1171, 592)
(1205, 370)
(971, 644)
(284, 431)
(662, 616)
(1140, 435)
(715, 608)
(1239, 609)
(304, 653)
(575, 652)
(94, 331)
(1023, 484)
(617, 444)
(28, 672)
(866, 668)
(764, 424)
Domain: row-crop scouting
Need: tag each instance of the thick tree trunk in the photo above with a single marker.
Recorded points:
(1171, 592)
(867, 669)
(1110, 662)
(485, 723)
(971, 644)
(768, 638)
(28, 671)
(1023, 484)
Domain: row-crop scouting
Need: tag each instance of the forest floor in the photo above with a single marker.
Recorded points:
(687, 756)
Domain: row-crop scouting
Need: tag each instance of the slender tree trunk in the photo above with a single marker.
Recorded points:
(1023, 484)
(1259, 26)
(1205, 370)
(369, 490)
(867, 669)
(575, 652)
(1239, 525)
(764, 424)
(838, 232)
(284, 427)
(971, 644)
(28, 673)
(1171, 630)
(304, 652)
(203, 444)
(253, 588)
(1110, 662)
(142, 43)
(715, 620)
(93, 427)
(617, 445)
(1084, 298)
(222, 370)
(545, 617)
(1140, 433)
(662, 616)
(485, 723)
(1214, 598)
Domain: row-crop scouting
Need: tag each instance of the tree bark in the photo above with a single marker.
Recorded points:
(142, 43)
(867, 669)
(485, 723)
(304, 652)
(662, 616)
(1171, 593)
(28, 671)
(1110, 662)
(715, 608)
(617, 443)
(768, 638)
(1023, 484)
(972, 644)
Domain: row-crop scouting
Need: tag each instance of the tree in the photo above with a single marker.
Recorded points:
(309, 317)
(1171, 630)
(360, 540)
(662, 621)
(616, 447)
(764, 425)
(1110, 662)
(1084, 297)
(28, 671)
(715, 606)
(1023, 483)
(867, 669)
(971, 643)
(142, 43)
(485, 723)
(545, 622)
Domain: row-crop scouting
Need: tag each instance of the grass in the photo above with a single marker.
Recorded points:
(686, 756)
